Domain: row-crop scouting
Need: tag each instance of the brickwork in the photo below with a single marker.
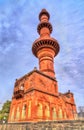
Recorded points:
(48, 125)
(41, 100)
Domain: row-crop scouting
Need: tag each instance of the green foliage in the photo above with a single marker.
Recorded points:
(5, 110)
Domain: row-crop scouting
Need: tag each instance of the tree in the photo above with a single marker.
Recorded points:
(5, 111)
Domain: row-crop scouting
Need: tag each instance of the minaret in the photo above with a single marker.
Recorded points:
(45, 48)
(36, 96)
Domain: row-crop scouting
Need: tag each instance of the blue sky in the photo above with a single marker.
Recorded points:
(18, 30)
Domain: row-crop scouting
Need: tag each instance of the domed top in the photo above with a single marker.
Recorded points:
(44, 12)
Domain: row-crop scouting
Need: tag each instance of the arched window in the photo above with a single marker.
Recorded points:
(29, 109)
(39, 110)
(60, 114)
(47, 111)
(24, 111)
(54, 115)
(17, 113)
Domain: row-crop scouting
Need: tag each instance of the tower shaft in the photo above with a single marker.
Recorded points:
(45, 48)
(46, 61)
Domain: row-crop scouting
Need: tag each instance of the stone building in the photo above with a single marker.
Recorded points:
(36, 96)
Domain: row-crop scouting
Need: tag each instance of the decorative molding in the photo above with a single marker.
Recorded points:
(44, 24)
(45, 43)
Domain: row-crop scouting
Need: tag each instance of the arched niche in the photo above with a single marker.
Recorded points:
(29, 109)
(54, 114)
(12, 114)
(24, 111)
(47, 111)
(60, 114)
(65, 115)
(17, 113)
(39, 110)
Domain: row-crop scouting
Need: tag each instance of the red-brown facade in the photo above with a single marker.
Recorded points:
(36, 96)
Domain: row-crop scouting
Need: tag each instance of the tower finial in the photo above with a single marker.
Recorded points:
(44, 12)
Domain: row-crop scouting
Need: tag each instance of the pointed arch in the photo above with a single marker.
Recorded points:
(54, 114)
(12, 114)
(29, 109)
(60, 114)
(39, 110)
(17, 113)
(47, 111)
(65, 115)
(24, 111)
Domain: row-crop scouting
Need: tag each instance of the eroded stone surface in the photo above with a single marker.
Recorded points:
(50, 125)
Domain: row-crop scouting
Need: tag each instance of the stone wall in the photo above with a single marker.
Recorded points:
(48, 125)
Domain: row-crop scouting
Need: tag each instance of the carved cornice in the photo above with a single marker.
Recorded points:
(44, 24)
(27, 75)
(45, 43)
(48, 93)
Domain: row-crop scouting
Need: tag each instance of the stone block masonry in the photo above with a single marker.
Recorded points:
(45, 125)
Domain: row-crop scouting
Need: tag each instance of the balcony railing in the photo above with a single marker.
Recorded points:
(18, 94)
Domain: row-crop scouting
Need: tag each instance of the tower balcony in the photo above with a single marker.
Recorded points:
(18, 94)
(40, 43)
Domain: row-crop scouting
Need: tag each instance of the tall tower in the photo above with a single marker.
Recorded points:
(45, 47)
(36, 96)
